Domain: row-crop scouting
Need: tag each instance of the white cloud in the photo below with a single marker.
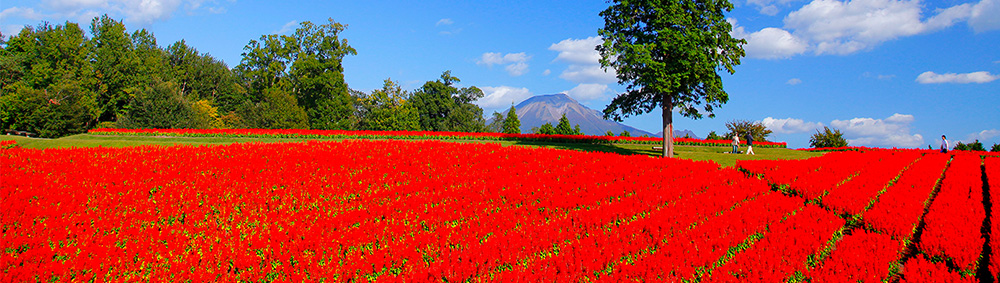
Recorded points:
(444, 22)
(769, 7)
(846, 27)
(517, 69)
(849, 26)
(790, 125)
(890, 132)
(578, 51)
(880, 77)
(794, 81)
(584, 61)
(984, 16)
(502, 96)
(26, 13)
(769, 10)
(982, 136)
(769, 43)
(135, 11)
(588, 92)
(588, 74)
(900, 118)
(517, 63)
(975, 77)
(289, 26)
(8, 31)
(547, 72)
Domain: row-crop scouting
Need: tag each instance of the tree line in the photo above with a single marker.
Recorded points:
(55, 80)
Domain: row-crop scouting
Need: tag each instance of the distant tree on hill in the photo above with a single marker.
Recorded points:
(976, 146)
(625, 133)
(511, 125)
(544, 129)
(741, 127)
(495, 123)
(827, 138)
(960, 146)
(713, 136)
(609, 134)
(564, 128)
(973, 146)
(995, 148)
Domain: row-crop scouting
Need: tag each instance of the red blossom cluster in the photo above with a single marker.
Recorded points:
(861, 256)
(920, 270)
(898, 211)
(360, 210)
(783, 251)
(855, 194)
(953, 222)
(993, 171)
(888, 192)
(366, 210)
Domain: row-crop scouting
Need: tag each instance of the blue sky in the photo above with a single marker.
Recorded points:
(887, 73)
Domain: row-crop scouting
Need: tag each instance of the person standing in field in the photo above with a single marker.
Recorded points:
(736, 143)
(749, 139)
(944, 144)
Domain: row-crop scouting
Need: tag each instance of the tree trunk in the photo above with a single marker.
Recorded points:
(668, 127)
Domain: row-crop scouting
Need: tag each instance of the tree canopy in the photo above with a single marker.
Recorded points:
(443, 107)
(667, 54)
(56, 81)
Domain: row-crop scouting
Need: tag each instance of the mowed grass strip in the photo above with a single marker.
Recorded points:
(717, 154)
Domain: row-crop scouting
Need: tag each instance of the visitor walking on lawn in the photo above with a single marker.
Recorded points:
(749, 139)
(736, 143)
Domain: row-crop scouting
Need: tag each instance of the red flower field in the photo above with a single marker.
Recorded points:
(360, 210)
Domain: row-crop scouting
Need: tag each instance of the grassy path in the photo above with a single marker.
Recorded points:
(716, 154)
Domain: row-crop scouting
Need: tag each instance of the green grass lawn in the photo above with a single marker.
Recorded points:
(717, 154)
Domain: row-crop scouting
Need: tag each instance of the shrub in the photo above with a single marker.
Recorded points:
(827, 138)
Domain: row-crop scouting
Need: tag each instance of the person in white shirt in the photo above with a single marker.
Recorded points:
(736, 143)
(944, 144)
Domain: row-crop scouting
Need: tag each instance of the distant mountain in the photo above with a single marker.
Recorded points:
(541, 109)
(681, 134)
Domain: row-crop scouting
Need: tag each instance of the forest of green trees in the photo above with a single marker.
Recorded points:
(55, 80)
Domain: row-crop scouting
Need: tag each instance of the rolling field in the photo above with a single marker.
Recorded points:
(382, 210)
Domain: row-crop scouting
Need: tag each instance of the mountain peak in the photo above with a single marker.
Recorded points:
(557, 100)
(541, 109)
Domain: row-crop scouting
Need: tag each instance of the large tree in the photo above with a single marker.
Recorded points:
(667, 54)
(307, 65)
(443, 107)
(114, 65)
(388, 109)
